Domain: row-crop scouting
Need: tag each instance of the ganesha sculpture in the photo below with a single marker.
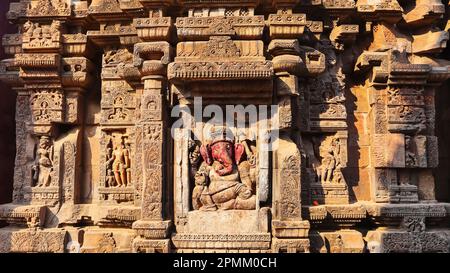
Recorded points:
(225, 179)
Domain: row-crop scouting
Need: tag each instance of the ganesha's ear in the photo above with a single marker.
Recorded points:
(238, 152)
(205, 151)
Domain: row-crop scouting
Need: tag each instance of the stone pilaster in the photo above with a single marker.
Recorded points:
(154, 227)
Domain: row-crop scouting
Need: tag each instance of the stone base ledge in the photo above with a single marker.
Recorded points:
(337, 213)
(223, 250)
(228, 222)
(222, 241)
(435, 210)
(290, 229)
(141, 245)
(290, 245)
(102, 215)
(341, 241)
(152, 229)
(32, 240)
(23, 215)
(352, 213)
(102, 240)
(397, 241)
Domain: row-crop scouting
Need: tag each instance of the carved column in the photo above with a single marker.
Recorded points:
(404, 70)
(289, 231)
(402, 111)
(52, 95)
(154, 133)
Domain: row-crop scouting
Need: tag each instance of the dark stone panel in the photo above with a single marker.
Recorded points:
(442, 173)
(7, 124)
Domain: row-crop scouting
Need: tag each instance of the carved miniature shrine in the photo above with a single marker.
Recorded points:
(100, 168)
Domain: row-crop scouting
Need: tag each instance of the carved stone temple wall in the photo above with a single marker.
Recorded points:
(361, 119)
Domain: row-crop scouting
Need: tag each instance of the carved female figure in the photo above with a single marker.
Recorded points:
(328, 166)
(44, 165)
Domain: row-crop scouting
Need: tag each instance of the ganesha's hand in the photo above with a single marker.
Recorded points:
(200, 180)
(252, 160)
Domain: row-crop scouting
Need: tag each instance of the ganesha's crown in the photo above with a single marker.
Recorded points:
(219, 133)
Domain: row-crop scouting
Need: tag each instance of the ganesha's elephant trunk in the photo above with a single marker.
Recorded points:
(222, 155)
(224, 169)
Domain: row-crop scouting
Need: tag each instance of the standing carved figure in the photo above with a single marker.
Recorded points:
(330, 161)
(120, 163)
(328, 165)
(110, 180)
(44, 165)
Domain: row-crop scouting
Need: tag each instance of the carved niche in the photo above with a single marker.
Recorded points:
(117, 184)
(225, 172)
(327, 157)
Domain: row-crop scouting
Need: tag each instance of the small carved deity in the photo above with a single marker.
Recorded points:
(114, 56)
(55, 26)
(118, 114)
(328, 165)
(194, 157)
(118, 163)
(110, 180)
(330, 161)
(28, 28)
(225, 179)
(338, 177)
(43, 167)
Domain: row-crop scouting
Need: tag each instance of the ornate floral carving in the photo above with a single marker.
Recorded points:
(43, 8)
(47, 106)
(222, 47)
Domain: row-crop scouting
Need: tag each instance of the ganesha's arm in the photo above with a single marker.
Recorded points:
(244, 174)
(201, 176)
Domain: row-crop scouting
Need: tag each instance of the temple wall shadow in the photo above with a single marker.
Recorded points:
(442, 173)
(7, 123)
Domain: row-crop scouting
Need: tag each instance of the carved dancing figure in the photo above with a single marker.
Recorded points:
(44, 166)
